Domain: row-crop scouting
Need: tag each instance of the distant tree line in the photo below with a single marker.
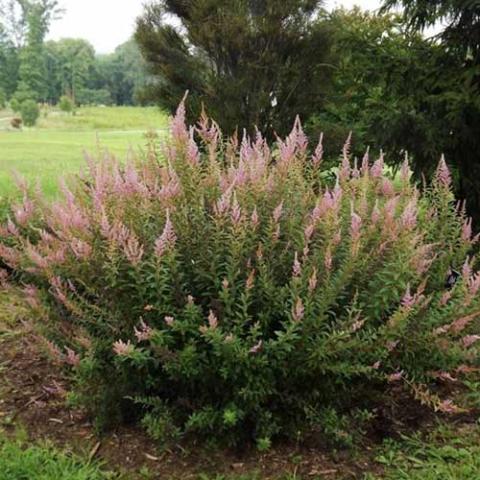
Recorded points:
(43, 71)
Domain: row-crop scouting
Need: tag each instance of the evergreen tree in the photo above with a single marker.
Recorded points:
(454, 91)
(250, 62)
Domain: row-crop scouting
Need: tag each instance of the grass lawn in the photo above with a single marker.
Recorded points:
(57, 144)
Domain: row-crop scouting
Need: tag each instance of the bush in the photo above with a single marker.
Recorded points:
(15, 105)
(30, 112)
(66, 104)
(16, 123)
(229, 291)
(3, 98)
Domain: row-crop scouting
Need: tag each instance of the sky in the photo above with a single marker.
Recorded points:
(108, 23)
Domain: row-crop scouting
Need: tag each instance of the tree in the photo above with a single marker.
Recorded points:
(66, 104)
(384, 88)
(30, 112)
(456, 110)
(122, 73)
(3, 98)
(70, 67)
(32, 69)
(250, 62)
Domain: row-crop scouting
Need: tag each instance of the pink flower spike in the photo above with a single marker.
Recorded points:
(447, 406)
(277, 213)
(467, 230)
(308, 231)
(364, 169)
(357, 325)
(123, 349)
(409, 215)
(446, 296)
(395, 377)
(328, 261)
(298, 311)
(318, 155)
(375, 217)
(193, 154)
(474, 284)
(72, 358)
(257, 348)
(377, 365)
(355, 226)
(12, 228)
(443, 173)
(143, 333)
(469, 340)
(392, 345)
(377, 168)
(167, 239)
(405, 171)
(461, 323)
(387, 188)
(236, 212)
(408, 300)
(178, 128)
(212, 320)
(254, 218)
(312, 281)
(169, 320)
(466, 270)
(297, 267)
(250, 280)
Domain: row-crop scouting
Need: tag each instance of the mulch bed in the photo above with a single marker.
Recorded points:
(32, 396)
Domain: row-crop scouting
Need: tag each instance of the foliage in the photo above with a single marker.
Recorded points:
(30, 112)
(235, 293)
(14, 105)
(66, 104)
(18, 463)
(445, 454)
(70, 67)
(122, 74)
(378, 89)
(451, 87)
(3, 98)
(88, 96)
(250, 63)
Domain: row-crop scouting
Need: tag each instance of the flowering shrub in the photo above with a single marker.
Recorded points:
(228, 289)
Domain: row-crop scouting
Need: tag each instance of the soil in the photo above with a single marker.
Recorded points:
(32, 397)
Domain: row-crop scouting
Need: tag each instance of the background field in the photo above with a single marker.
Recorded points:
(57, 145)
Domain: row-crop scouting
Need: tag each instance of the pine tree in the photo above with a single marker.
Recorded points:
(249, 62)
(455, 91)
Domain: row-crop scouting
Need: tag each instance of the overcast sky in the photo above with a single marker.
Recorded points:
(108, 23)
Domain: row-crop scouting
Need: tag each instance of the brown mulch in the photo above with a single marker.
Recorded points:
(32, 396)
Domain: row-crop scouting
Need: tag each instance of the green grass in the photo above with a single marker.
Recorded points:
(57, 145)
(42, 462)
(448, 453)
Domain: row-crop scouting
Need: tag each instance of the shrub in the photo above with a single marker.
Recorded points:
(15, 105)
(229, 291)
(16, 123)
(3, 98)
(30, 112)
(66, 104)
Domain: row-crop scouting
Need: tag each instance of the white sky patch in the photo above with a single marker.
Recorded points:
(108, 23)
(104, 23)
